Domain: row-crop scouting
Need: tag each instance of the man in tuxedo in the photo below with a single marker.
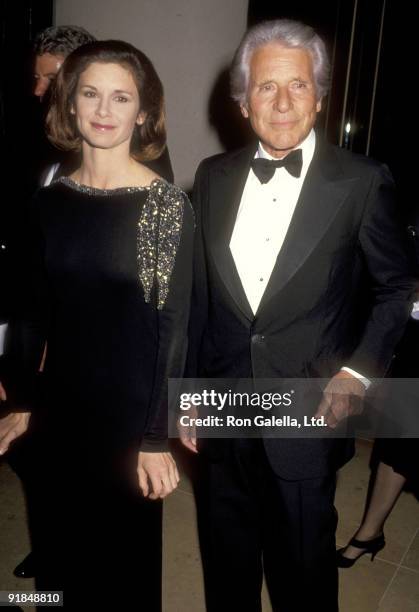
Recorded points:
(300, 272)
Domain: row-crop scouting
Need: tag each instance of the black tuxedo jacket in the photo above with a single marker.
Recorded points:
(339, 294)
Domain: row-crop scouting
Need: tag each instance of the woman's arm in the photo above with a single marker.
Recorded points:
(155, 463)
(27, 332)
(11, 427)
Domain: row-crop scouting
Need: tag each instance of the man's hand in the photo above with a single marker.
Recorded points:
(343, 397)
(187, 434)
(157, 474)
(11, 427)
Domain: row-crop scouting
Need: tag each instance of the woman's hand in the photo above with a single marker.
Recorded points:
(11, 427)
(157, 474)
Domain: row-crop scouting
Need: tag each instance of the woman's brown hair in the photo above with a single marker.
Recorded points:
(149, 139)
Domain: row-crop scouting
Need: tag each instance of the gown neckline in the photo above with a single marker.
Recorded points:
(69, 182)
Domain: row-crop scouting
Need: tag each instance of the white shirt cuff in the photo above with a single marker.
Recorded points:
(365, 381)
(415, 311)
(3, 329)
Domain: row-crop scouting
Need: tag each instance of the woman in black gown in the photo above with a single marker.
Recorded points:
(109, 257)
(394, 460)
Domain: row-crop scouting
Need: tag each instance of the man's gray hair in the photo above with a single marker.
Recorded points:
(61, 40)
(288, 33)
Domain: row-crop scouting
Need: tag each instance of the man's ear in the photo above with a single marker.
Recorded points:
(72, 110)
(319, 105)
(244, 111)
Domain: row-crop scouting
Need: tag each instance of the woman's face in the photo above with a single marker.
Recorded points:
(107, 105)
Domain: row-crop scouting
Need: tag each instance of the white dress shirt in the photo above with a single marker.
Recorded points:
(262, 222)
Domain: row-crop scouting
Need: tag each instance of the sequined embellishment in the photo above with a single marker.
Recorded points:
(158, 233)
(158, 238)
(66, 180)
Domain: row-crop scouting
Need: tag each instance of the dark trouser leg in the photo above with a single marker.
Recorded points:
(299, 545)
(250, 512)
(231, 544)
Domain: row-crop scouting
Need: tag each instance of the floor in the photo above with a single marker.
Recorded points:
(390, 584)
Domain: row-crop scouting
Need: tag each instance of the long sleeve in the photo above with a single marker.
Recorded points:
(172, 333)
(28, 330)
(392, 277)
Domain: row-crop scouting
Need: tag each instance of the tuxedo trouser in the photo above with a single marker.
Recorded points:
(252, 523)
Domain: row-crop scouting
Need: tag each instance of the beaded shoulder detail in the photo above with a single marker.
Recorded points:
(158, 237)
(158, 232)
(69, 182)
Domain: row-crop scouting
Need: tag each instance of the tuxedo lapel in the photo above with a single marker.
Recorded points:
(228, 187)
(323, 193)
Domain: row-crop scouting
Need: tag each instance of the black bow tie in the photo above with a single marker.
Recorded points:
(265, 168)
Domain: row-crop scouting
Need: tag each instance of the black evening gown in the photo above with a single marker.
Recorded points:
(110, 278)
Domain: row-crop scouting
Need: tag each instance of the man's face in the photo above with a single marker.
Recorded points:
(281, 100)
(46, 69)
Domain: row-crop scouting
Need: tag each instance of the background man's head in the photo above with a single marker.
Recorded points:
(279, 76)
(51, 47)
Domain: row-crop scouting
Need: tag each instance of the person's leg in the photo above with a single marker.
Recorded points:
(299, 545)
(387, 487)
(107, 537)
(230, 525)
(121, 563)
(116, 545)
(22, 463)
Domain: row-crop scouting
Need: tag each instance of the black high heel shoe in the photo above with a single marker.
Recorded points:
(370, 546)
(26, 568)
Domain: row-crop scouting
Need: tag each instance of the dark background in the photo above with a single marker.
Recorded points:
(20, 111)
(21, 135)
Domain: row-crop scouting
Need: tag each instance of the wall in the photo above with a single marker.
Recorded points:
(189, 42)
